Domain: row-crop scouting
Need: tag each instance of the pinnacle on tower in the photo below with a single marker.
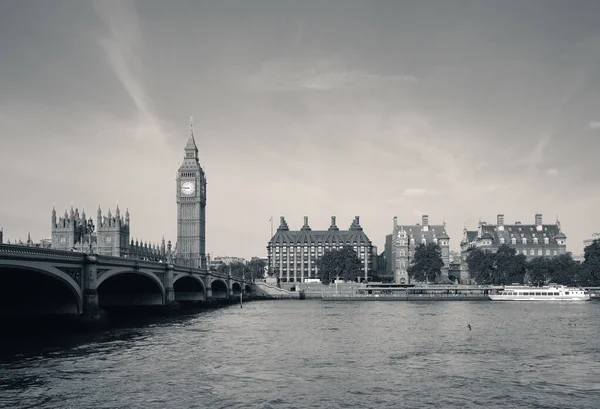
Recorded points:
(191, 150)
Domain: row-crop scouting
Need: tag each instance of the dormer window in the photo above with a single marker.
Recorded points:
(513, 240)
(524, 240)
(435, 240)
(501, 240)
(535, 240)
(546, 240)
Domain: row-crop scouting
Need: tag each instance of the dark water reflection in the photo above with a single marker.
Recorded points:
(301, 354)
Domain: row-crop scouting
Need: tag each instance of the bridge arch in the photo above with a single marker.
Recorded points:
(219, 289)
(39, 290)
(129, 288)
(247, 289)
(188, 288)
(236, 289)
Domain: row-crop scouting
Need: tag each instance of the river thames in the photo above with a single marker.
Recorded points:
(309, 354)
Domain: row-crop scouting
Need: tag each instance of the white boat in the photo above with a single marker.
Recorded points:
(552, 292)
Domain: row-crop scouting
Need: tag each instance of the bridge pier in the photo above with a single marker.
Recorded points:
(91, 310)
(168, 283)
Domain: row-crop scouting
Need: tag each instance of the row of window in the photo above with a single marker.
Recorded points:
(319, 246)
(312, 249)
(403, 242)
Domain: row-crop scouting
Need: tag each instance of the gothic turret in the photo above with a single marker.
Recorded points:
(191, 149)
(99, 218)
(53, 217)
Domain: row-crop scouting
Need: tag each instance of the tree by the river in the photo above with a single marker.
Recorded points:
(339, 264)
(427, 263)
(256, 268)
(510, 267)
(590, 268)
(481, 265)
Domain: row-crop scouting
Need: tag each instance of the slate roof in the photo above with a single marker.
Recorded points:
(333, 235)
(416, 232)
(518, 231)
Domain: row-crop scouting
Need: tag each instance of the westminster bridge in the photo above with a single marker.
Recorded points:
(38, 282)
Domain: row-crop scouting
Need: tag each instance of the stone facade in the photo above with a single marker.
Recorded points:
(405, 239)
(532, 240)
(109, 237)
(292, 255)
(191, 209)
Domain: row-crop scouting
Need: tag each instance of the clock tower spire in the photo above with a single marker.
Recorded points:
(191, 207)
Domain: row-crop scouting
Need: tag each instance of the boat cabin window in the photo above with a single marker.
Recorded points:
(566, 293)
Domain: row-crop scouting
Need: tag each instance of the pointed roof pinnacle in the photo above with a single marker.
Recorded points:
(191, 144)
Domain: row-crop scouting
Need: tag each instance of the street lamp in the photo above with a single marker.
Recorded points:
(90, 230)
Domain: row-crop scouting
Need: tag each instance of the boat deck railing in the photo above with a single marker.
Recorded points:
(404, 295)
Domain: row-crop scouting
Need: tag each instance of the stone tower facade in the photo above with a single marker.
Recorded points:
(69, 230)
(191, 208)
(112, 233)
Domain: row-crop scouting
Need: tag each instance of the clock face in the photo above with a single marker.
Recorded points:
(188, 187)
(108, 239)
(63, 239)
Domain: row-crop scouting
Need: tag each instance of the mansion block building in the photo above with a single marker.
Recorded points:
(532, 240)
(403, 241)
(292, 254)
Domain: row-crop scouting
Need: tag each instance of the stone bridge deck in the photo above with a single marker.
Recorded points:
(43, 281)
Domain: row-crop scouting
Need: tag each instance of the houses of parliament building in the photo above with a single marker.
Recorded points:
(111, 235)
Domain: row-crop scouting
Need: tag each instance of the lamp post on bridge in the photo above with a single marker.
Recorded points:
(90, 229)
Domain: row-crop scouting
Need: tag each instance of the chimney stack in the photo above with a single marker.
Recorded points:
(395, 223)
(425, 220)
(500, 222)
(306, 227)
(333, 226)
(538, 221)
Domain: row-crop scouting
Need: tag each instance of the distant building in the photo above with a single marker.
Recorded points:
(587, 242)
(389, 264)
(292, 254)
(531, 240)
(405, 239)
(108, 237)
(1, 235)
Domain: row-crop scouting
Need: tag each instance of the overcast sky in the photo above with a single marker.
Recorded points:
(456, 109)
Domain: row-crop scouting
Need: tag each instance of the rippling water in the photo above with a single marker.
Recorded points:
(307, 354)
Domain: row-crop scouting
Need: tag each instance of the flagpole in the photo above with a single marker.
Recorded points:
(272, 255)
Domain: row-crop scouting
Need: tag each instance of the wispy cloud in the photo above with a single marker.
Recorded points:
(552, 172)
(322, 76)
(120, 44)
(594, 125)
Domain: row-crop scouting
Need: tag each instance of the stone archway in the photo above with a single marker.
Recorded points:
(189, 289)
(34, 291)
(128, 288)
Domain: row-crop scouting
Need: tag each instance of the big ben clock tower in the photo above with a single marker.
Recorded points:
(191, 208)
